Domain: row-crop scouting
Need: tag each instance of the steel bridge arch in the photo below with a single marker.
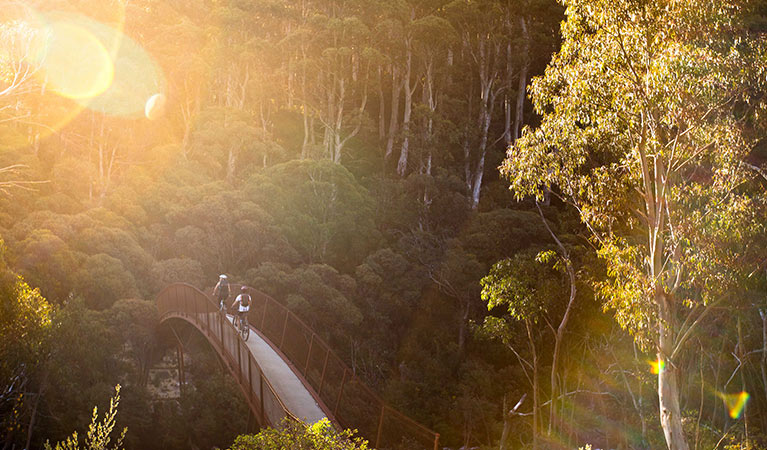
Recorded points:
(344, 399)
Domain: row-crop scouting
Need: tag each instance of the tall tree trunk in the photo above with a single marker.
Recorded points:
(305, 143)
(430, 100)
(536, 400)
(381, 107)
(668, 390)
(521, 89)
(231, 165)
(507, 108)
(487, 75)
(409, 90)
(506, 425)
(560, 332)
(741, 360)
(763, 316)
(304, 105)
(396, 87)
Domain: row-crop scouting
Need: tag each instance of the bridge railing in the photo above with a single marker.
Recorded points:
(344, 395)
(185, 301)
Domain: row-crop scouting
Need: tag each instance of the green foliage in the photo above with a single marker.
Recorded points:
(176, 270)
(25, 319)
(103, 279)
(99, 434)
(227, 232)
(523, 285)
(296, 435)
(318, 292)
(634, 83)
(25, 331)
(324, 213)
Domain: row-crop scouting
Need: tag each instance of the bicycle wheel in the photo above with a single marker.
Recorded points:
(244, 328)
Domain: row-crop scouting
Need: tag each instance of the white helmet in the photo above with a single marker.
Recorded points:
(222, 277)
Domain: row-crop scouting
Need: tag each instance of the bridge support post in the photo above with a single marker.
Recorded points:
(240, 344)
(263, 317)
(249, 428)
(340, 393)
(284, 328)
(181, 371)
(179, 362)
(261, 397)
(380, 426)
(324, 367)
(309, 355)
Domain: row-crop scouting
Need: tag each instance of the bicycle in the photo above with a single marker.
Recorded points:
(241, 325)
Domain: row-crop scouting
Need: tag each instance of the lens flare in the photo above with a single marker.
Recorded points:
(735, 403)
(56, 63)
(108, 72)
(155, 107)
(75, 64)
(657, 366)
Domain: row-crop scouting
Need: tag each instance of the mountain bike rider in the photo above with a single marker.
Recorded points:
(243, 305)
(222, 290)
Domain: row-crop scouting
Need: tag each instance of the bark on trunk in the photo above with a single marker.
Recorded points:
(506, 425)
(396, 87)
(404, 150)
(560, 333)
(763, 364)
(536, 415)
(304, 105)
(381, 107)
(521, 89)
(231, 164)
(487, 77)
(668, 390)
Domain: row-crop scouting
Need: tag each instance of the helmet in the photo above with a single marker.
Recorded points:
(222, 277)
(243, 288)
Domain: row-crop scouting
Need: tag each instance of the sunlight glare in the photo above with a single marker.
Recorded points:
(155, 107)
(735, 403)
(657, 366)
(75, 64)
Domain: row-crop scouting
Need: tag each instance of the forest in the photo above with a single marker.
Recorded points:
(526, 224)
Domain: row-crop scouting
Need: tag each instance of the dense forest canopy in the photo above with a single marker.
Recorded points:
(342, 156)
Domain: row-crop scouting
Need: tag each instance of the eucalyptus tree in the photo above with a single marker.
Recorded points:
(25, 330)
(386, 34)
(648, 111)
(483, 36)
(435, 37)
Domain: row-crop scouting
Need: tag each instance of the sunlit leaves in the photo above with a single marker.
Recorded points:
(291, 434)
(521, 285)
(640, 108)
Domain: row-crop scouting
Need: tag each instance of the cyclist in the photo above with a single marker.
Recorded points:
(222, 291)
(243, 306)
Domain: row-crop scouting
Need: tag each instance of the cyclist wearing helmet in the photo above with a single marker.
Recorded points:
(222, 290)
(243, 306)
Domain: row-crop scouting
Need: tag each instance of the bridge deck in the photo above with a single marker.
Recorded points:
(284, 381)
(285, 369)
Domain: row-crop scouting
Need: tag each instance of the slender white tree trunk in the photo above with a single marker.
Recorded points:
(396, 87)
(381, 107)
(409, 90)
(522, 87)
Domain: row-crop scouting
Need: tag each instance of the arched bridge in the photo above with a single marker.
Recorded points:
(286, 370)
